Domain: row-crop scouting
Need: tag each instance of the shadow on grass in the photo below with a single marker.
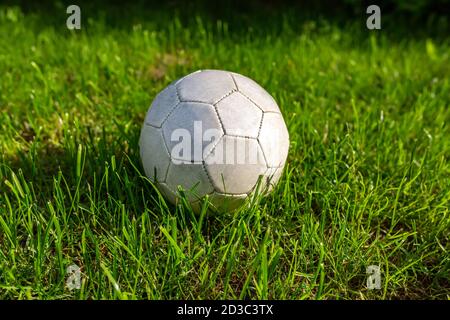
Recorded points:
(102, 170)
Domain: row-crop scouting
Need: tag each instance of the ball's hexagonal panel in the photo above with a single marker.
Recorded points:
(164, 102)
(239, 115)
(235, 165)
(154, 155)
(185, 128)
(207, 86)
(256, 93)
(272, 176)
(191, 177)
(274, 139)
(225, 203)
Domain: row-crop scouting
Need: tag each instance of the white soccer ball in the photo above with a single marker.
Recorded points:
(214, 133)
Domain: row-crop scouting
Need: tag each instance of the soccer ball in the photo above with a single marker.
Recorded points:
(214, 133)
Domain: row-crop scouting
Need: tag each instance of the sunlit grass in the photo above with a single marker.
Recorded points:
(367, 180)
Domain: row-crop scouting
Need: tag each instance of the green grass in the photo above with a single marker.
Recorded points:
(367, 180)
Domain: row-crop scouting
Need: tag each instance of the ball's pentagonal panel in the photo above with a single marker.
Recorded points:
(225, 202)
(155, 157)
(239, 116)
(191, 177)
(164, 102)
(207, 86)
(235, 165)
(272, 177)
(274, 139)
(256, 93)
(191, 129)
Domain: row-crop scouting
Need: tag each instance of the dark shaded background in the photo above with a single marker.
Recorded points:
(413, 14)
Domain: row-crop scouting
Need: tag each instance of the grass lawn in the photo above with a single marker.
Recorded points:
(367, 180)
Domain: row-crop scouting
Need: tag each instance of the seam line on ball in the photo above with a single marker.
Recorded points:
(234, 81)
(152, 125)
(170, 112)
(251, 100)
(239, 136)
(260, 125)
(220, 119)
(207, 174)
(262, 151)
(224, 96)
